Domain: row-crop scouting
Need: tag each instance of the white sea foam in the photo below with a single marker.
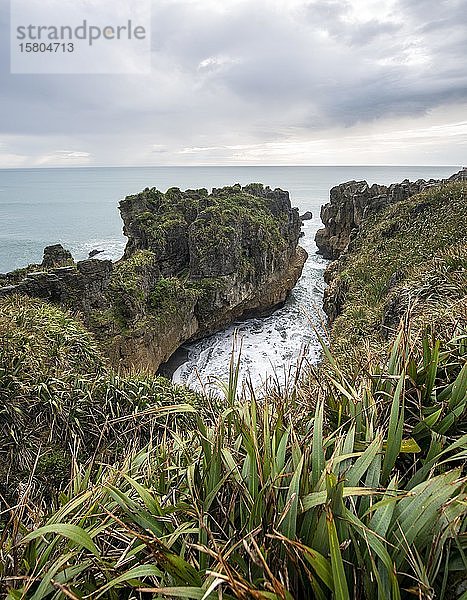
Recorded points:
(112, 248)
(271, 347)
(78, 208)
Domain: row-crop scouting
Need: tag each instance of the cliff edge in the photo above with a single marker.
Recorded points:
(351, 202)
(194, 263)
(407, 261)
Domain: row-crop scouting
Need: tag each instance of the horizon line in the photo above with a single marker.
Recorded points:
(197, 166)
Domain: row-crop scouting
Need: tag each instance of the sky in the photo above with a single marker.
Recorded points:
(251, 82)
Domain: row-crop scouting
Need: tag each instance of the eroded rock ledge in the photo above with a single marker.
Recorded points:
(352, 201)
(194, 263)
(355, 207)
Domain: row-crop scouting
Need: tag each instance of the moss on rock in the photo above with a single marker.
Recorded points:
(196, 261)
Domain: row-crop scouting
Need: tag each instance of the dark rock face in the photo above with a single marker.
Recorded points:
(56, 256)
(351, 202)
(334, 294)
(210, 235)
(194, 262)
(94, 253)
(208, 255)
(221, 256)
(344, 217)
(80, 286)
(307, 216)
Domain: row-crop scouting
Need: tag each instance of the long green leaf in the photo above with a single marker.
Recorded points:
(131, 575)
(362, 464)
(317, 450)
(74, 533)
(321, 566)
(395, 430)
(341, 591)
(289, 524)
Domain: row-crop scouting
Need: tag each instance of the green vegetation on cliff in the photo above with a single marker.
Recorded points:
(410, 259)
(193, 264)
(206, 224)
(351, 485)
(60, 401)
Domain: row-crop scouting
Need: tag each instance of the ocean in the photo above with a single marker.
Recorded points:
(78, 207)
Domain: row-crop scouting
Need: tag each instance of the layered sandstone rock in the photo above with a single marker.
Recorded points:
(351, 202)
(214, 258)
(354, 213)
(194, 263)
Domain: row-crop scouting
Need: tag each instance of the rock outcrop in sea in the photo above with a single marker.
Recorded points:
(194, 263)
(351, 202)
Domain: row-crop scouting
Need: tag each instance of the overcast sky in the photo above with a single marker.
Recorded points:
(257, 82)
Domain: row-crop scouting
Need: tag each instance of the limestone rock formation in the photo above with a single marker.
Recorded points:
(307, 216)
(351, 202)
(56, 256)
(204, 260)
(355, 207)
(194, 263)
(81, 286)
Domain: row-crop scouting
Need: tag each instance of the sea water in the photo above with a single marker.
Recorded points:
(78, 207)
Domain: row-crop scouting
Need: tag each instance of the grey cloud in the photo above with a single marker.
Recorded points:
(326, 13)
(333, 17)
(370, 31)
(266, 72)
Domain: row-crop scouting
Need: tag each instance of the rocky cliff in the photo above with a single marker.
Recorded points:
(407, 261)
(351, 202)
(199, 262)
(194, 263)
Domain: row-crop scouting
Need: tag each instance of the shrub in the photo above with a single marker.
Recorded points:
(357, 491)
